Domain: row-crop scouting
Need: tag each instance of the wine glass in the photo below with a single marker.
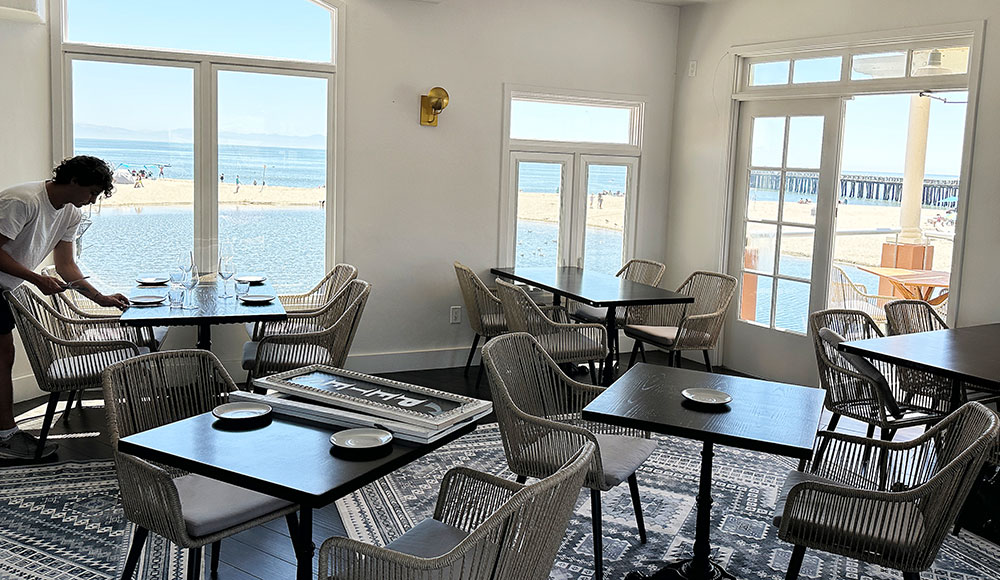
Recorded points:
(189, 281)
(185, 260)
(226, 270)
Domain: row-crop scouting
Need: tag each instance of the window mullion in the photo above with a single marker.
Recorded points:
(206, 196)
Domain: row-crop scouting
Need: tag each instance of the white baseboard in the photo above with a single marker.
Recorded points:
(25, 388)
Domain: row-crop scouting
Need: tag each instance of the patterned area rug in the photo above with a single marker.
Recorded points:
(745, 486)
(64, 522)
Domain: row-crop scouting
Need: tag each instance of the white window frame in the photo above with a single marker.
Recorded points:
(937, 36)
(577, 156)
(205, 65)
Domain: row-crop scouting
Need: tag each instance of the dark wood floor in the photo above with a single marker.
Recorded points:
(264, 552)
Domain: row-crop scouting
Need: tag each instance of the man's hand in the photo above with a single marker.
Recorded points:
(48, 285)
(119, 301)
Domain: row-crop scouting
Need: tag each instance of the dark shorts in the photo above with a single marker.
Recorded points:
(6, 316)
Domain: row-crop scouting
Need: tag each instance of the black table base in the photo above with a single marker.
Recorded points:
(701, 566)
(205, 336)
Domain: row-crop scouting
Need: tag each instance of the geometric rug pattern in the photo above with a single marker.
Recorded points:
(64, 521)
(744, 489)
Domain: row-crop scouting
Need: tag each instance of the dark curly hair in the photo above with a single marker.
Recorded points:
(86, 171)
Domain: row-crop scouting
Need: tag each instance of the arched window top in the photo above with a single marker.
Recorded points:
(290, 29)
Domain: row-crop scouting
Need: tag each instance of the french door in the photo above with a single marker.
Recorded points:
(781, 233)
(572, 210)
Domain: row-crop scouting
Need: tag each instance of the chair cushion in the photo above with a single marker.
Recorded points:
(428, 539)
(290, 356)
(894, 526)
(621, 456)
(587, 313)
(658, 335)
(73, 370)
(573, 348)
(210, 505)
(866, 369)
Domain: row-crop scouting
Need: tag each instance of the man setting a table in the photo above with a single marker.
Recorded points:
(37, 218)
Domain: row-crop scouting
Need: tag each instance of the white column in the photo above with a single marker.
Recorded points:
(913, 170)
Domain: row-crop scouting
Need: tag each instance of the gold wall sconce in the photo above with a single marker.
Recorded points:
(431, 106)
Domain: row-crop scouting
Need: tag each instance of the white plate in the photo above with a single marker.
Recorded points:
(362, 438)
(146, 299)
(707, 396)
(241, 411)
(251, 279)
(256, 298)
(152, 280)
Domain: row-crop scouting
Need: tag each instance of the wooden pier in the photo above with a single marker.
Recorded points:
(862, 187)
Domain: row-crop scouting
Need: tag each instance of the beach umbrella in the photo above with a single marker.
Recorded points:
(950, 199)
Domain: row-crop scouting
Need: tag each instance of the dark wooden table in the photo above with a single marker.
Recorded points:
(289, 459)
(964, 355)
(763, 416)
(211, 309)
(595, 289)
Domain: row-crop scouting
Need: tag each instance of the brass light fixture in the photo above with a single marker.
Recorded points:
(431, 106)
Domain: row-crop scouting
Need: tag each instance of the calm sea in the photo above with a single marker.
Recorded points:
(277, 165)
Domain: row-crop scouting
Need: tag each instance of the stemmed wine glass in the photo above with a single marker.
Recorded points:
(226, 270)
(189, 282)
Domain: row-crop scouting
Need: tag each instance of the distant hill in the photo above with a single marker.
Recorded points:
(89, 131)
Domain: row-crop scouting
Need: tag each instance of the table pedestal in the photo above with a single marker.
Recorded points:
(611, 323)
(304, 547)
(205, 336)
(701, 566)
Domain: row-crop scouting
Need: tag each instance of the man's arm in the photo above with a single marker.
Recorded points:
(47, 284)
(67, 268)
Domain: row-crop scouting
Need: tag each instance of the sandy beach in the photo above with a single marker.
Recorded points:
(181, 191)
(853, 249)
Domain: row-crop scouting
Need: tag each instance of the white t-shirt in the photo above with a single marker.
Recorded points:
(33, 226)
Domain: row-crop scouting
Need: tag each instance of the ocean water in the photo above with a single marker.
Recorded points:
(285, 166)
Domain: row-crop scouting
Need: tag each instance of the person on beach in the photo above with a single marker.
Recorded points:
(600, 200)
(222, 177)
(38, 218)
(237, 184)
(161, 172)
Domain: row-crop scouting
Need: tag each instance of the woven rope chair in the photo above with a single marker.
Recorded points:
(190, 510)
(483, 309)
(863, 396)
(894, 511)
(321, 336)
(320, 295)
(60, 359)
(679, 327)
(645, 272)
(564, 342)
(539, 410)
(483, 528)
(849, 295)
(74, 305)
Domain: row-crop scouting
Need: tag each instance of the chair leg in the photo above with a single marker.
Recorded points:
(50, 411)
(677, 359)
(479, 375)
(911, 575)
(887, 434)
(69, 404)
(633, 487)
(871, 431)
(635, 352)
(832, 425)
(708, 361)
(593, 374)
(642, 351)
(139, 535)
(472, 353)
(292, 521)
(216, 548)
(522, 478)
(595, 515)
(194, 564)
(795, 563)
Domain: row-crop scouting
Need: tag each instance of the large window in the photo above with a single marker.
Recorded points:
(571, 181)
(218, 119)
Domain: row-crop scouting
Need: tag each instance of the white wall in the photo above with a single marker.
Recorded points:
(696, 219)
(24, 127)
(418, 198)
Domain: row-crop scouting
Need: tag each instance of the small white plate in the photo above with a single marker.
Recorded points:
(707, 396)
(152, 280)
(364, 438)
(241, 411)
(146, 299)
(251, 279)
(256, 298)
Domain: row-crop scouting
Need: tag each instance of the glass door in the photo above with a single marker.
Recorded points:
(543, 209)
(609, 185)
(785, 186)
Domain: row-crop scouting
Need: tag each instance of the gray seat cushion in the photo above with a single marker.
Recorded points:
(290, 356)
(664, 336)
(621, 456)
(588, 313)
(428, 539)
(73, 370)
(893, 525)
(865, 368)
(210, 505)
